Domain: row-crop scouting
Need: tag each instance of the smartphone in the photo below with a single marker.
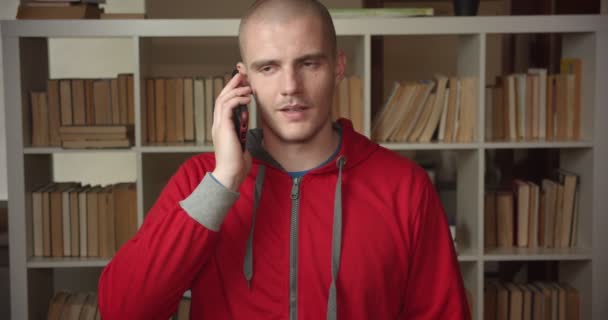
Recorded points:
(240, 117)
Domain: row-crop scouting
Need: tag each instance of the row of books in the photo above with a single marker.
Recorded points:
(80, 102)
(444, 108)
(536, 105)
(530, 301)
(532, 215)
(66, 305)
(348, 102)
(72, 220)
(180, 110)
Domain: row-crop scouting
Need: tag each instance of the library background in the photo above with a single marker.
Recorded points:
(504, 107)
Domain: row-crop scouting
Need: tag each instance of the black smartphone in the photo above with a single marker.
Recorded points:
(240, 118)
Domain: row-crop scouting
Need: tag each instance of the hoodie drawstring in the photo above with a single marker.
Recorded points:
(257, 194)
(336, 244)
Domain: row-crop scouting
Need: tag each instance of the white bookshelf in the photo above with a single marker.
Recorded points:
(162, 47)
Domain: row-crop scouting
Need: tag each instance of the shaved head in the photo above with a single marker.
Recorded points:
(281, 11)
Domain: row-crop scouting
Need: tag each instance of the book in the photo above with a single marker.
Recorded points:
(189, 119)
(504, 218)
(490, 233)
(96, 144)
(78, 102)
(54, 111)
(522, 194)
(355, 90)
(40, 119)
(200, 112)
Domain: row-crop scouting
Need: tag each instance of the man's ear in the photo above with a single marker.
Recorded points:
(240, 66)
(340, 68)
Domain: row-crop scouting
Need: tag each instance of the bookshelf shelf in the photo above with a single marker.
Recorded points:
(431, 146)
(26, 57)
(539, 145)
(71, 262)
(538, 254)
(60, 150)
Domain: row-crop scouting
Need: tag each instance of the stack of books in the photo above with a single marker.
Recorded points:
(83, 137)
(348, 102)
(73, 306)
(444, 108)
(532, 215)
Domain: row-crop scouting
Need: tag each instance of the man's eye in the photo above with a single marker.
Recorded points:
(310, 64)
(266, 69)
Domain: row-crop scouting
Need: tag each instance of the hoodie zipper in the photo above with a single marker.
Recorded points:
(293, 250)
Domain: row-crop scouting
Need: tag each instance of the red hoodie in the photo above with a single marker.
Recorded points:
(392, 256)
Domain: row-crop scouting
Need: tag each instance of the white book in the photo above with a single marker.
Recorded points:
(542, 103)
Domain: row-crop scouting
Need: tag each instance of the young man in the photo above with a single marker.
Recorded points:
(313, 221)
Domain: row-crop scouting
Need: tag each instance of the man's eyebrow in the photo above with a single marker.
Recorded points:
(312, 56)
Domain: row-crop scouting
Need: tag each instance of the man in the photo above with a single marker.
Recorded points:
(313, 221)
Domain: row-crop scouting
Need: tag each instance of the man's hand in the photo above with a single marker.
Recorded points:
(232, 164)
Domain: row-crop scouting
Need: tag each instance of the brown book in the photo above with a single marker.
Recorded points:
(209, 106)
(467, 118)
(123, 97)
(550, 200)
(547, 299)
(504, 214)
(561, 112)
(189, 109)
(57, 304)
(573, 302)
(551, 105)
(541, 219)
(102, 101)
(424, 118)
(490, 225)
(516, 303)
(65, 99)
(452, 112)
(125, 200)
(527, 302)
(93, 136)
(102, 129)
(569, 181)
(115, 101)
(96, 144)
(54, 107)
(502, 302)
(535, 105)
(75, 11)
(130, 100)
(74, 305)
(107, 236)
(573, 66)
(82, 220)
(171, 112)
(89, 101)
(489, 300)
(66, 222)
(89, 310)
(40, 119)
(150, 110)
(46, 220)
(39, 209)
(200, 110)
(438, 105)
(160, 110)
(522, 194)
(406, 130)
(559, 216)
(533, 215)
(56, 218)
(379, 121)
(93, 222)
(179, 110)
(74, 222)
(78, 102)
(538, 302)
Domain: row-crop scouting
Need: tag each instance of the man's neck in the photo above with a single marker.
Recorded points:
(303, 156)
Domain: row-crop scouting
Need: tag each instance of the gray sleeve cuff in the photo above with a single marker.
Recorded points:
(209, 203)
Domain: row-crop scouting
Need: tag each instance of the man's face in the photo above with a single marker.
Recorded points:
(293, 75)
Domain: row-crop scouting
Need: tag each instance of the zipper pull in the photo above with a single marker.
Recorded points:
(295, 189)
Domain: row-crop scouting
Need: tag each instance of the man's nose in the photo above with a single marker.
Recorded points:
(291, 82)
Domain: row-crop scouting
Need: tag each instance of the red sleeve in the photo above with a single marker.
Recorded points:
(434, 288)
(149, 274)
